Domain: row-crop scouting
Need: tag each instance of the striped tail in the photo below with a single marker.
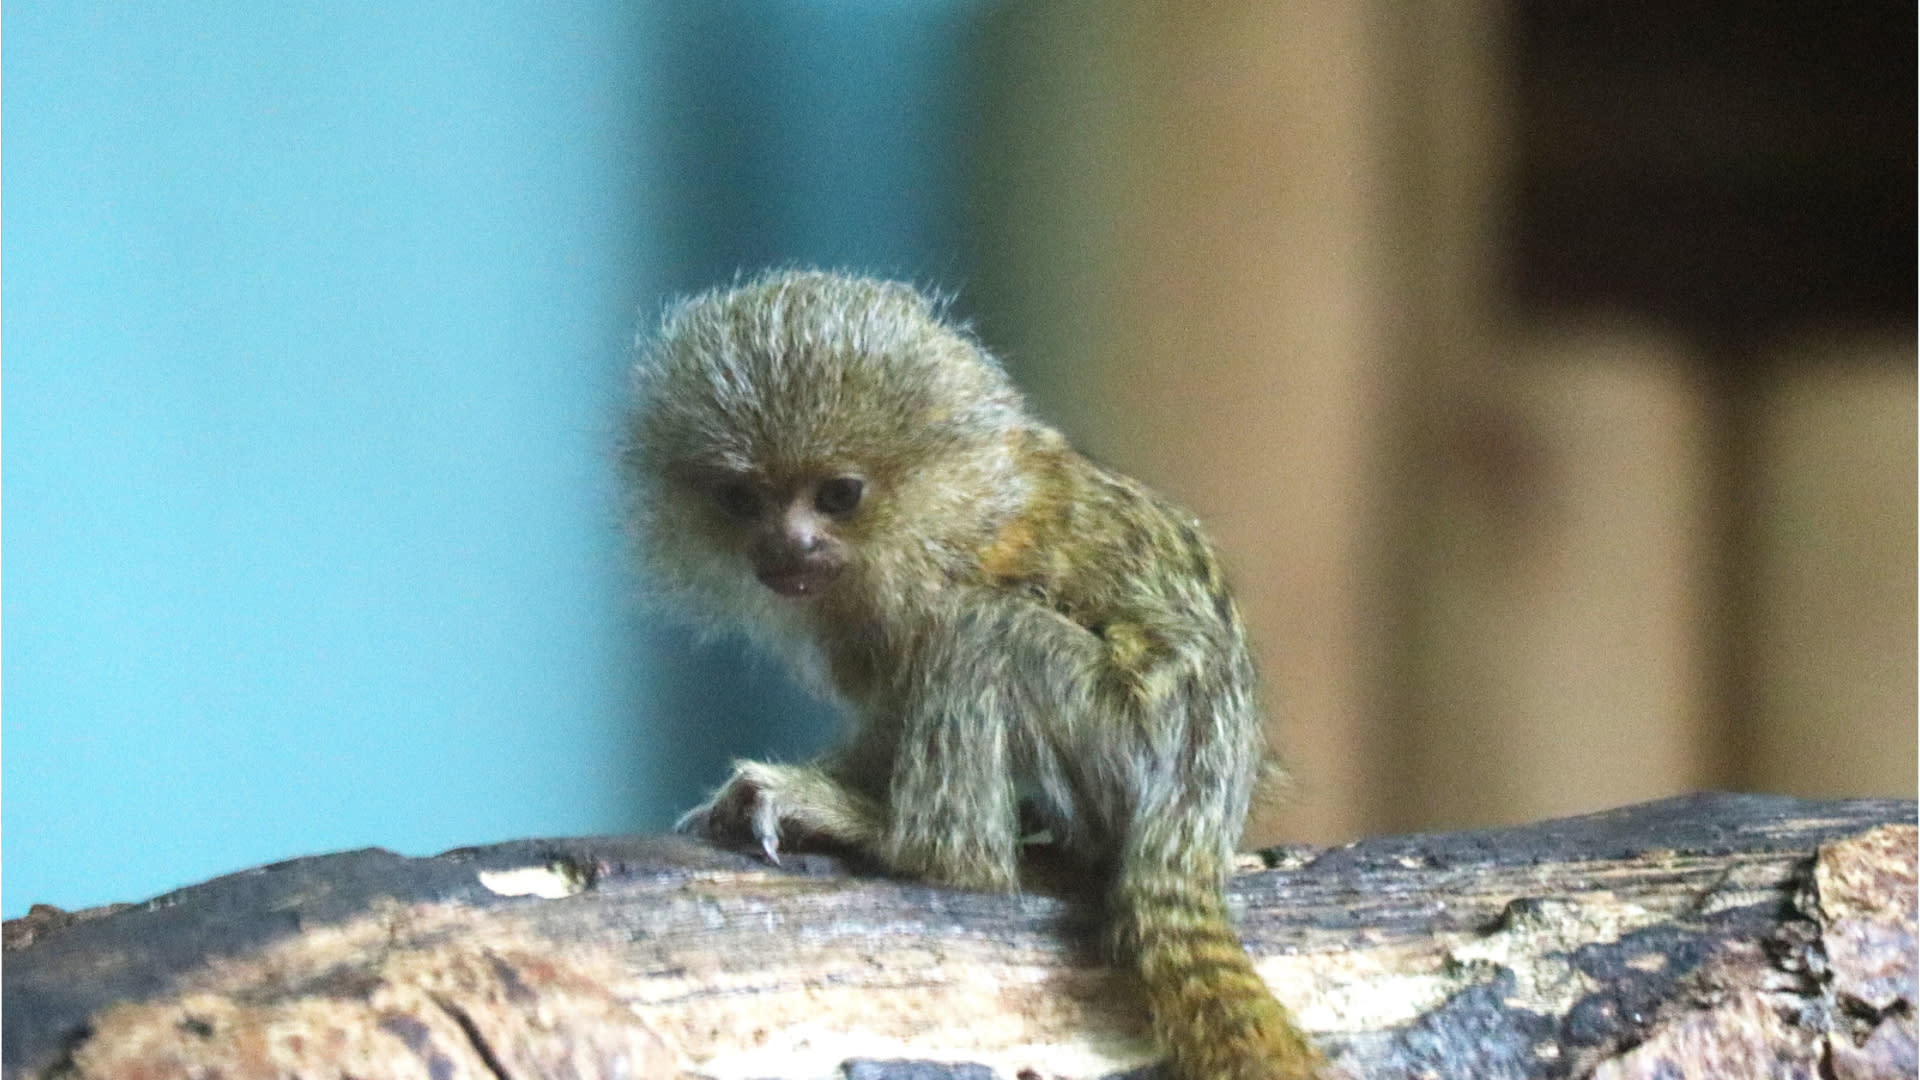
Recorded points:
(1212, 1013)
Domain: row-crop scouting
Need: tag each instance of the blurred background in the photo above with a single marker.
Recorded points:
(1546, 369)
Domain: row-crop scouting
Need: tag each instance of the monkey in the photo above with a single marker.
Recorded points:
(830, 465)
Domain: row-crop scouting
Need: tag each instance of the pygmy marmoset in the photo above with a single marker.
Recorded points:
(825, 463)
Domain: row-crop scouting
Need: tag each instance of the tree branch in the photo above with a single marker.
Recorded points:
(1712, 935)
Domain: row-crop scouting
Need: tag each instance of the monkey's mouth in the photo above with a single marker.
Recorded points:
(800, 580)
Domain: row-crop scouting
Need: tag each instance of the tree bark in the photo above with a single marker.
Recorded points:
(1710, 935)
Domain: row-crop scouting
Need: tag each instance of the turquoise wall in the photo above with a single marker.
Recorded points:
(314, 319)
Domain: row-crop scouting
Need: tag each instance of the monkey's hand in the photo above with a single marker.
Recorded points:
(741, 814)
(762, 804)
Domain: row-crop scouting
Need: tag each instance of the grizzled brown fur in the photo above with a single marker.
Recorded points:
(824, 463)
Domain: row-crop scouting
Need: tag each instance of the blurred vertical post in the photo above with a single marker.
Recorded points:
(1560, 640)
(1833, 594)
(1182, 226)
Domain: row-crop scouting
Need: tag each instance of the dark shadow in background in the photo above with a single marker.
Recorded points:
(1733, 170)
(795, 134)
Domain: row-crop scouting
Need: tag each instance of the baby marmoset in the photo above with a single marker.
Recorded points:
(823, 462)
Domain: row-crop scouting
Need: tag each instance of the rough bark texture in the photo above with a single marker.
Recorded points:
(1712, 935)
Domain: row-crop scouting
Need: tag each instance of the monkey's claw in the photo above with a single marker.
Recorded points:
(766, 827)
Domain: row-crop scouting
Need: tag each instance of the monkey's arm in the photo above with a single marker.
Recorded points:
(928, 788)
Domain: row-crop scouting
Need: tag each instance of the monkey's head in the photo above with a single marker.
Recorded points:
(809, 434)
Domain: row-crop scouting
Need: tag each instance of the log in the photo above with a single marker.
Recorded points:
(1707, 935)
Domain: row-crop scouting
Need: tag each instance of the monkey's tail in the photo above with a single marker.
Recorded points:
(1212, 1013)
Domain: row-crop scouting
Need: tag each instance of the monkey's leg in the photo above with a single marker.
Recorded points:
(762, 802)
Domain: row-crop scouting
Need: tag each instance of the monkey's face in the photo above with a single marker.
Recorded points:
(790, 533)
(815, 437)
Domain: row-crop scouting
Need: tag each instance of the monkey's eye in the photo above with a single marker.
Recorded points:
(838, 496)
(737, 499)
